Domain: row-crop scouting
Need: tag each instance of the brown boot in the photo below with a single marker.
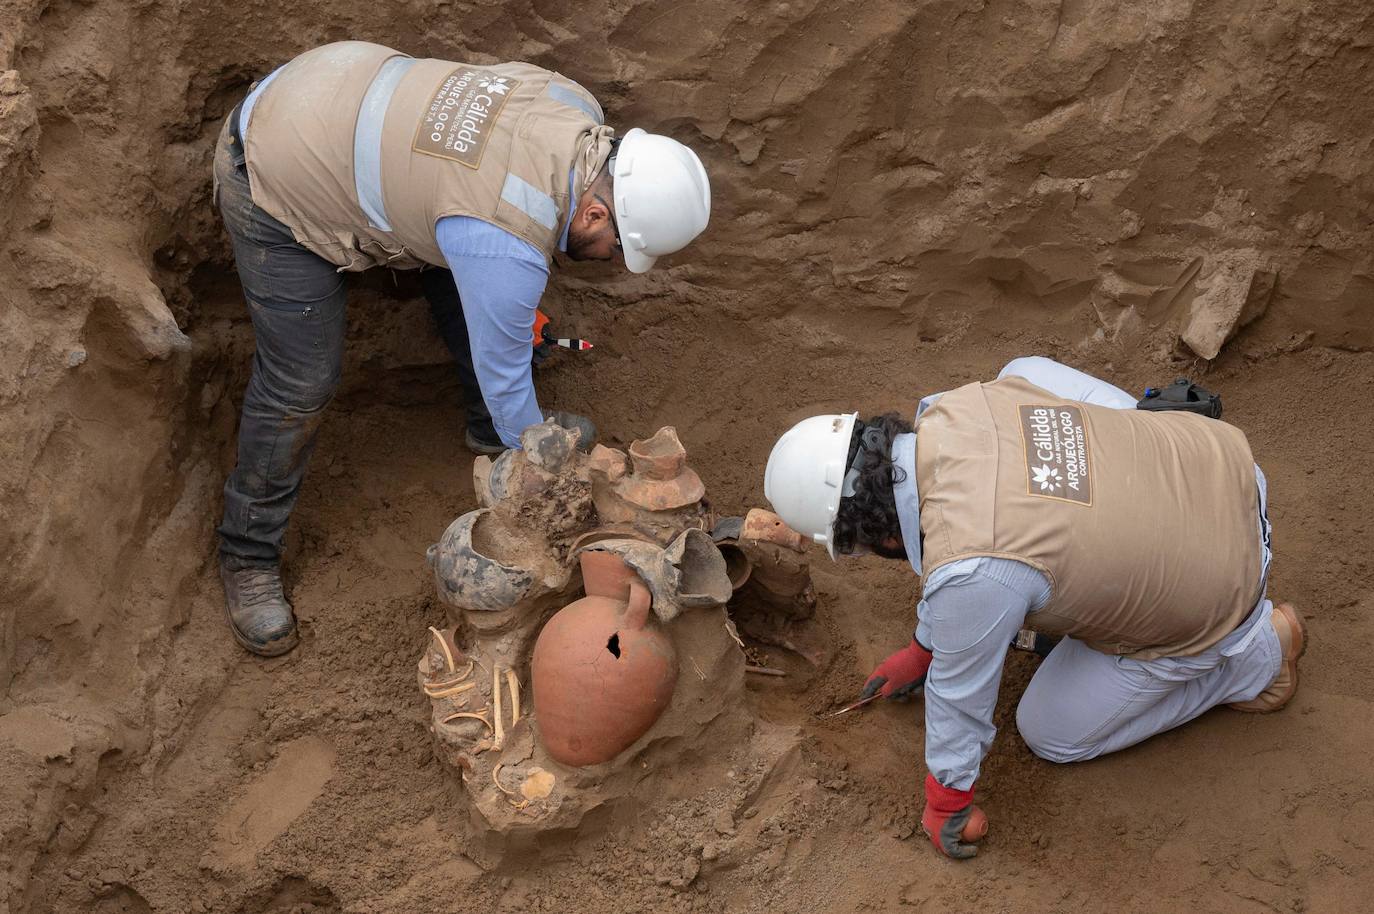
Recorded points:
(257, 611)
(1288, 625)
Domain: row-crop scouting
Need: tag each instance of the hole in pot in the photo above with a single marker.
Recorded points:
(613, 645)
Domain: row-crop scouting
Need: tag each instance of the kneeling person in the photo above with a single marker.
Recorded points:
(1044, 500)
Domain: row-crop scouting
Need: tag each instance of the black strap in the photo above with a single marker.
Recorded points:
(236, 136)
(1183, 395)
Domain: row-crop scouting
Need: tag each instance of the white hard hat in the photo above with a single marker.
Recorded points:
(662, 197)
(805, 477)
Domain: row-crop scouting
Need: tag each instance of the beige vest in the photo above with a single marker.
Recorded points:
(360, 150)
(1147, 524)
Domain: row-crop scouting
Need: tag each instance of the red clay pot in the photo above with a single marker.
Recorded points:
(767, 527)
(661, 480)
(602, 671)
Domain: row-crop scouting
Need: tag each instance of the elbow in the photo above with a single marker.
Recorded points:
(1024, 366)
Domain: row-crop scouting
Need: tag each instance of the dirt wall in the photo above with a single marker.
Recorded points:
(903, 195)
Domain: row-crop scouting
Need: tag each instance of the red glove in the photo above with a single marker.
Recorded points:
(902, 674)
(951, 819)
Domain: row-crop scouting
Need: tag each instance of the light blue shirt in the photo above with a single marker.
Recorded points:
(500, 278)
(972, 609)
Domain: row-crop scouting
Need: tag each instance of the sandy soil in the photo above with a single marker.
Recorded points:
(907, 195)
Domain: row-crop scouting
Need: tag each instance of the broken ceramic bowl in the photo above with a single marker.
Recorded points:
(469, 568)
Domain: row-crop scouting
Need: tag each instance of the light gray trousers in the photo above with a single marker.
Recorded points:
(1083, 703)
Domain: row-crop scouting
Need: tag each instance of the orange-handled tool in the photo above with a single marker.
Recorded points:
(542, 335)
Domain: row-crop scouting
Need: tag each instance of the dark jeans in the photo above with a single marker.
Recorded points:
(296, 301)
(442, 294)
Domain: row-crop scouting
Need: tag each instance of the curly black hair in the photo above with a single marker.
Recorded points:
(869, 516)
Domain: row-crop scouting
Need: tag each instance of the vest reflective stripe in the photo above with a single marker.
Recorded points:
(246, 111)
(566, 96)
(530, 200)
(333, 153)
(367, 140)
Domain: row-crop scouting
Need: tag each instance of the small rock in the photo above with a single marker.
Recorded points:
(688, 871)
(1234, 288)
(1310, 224)
(209, 396)
(1131, 224)
(76, 357)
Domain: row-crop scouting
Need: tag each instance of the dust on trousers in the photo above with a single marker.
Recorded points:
(296, 300)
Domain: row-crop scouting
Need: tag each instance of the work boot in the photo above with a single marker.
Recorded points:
(1288, 625)
(482, 446)
(257, 611)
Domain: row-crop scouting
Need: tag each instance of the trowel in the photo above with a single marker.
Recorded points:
(849, 707)
(1025, 640)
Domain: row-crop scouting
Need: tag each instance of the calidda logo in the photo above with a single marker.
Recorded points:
(496, 85)
(1047, 477)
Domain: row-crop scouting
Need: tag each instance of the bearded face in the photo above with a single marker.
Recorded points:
(593, 233)
(584, 244)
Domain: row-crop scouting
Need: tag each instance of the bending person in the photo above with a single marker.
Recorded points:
(352, 156)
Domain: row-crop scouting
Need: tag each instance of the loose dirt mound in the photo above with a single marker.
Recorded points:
(905, 196)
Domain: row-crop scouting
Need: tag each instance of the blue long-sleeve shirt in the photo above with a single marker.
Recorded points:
(500, 278)
(971, 609)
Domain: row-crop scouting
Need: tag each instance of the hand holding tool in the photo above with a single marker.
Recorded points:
(544, 339)
(901, 675)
